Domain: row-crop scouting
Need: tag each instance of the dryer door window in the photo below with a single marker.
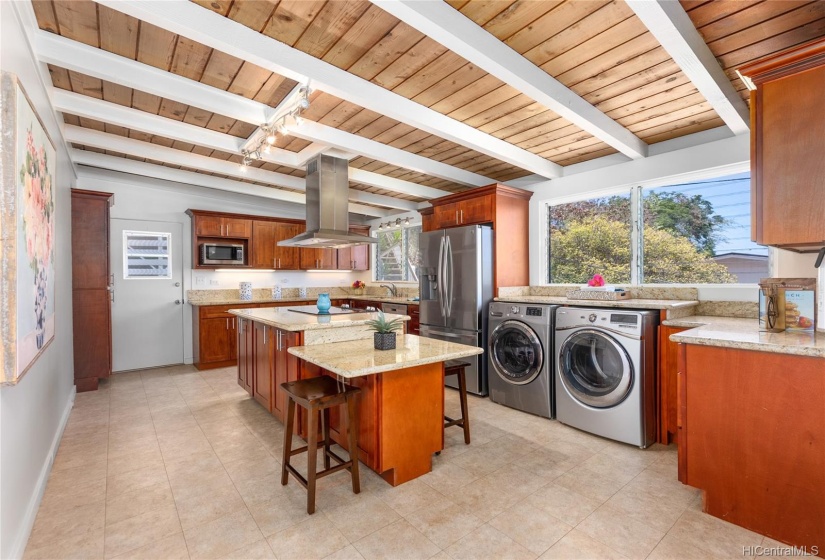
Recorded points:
(517, 353)
(595, 368)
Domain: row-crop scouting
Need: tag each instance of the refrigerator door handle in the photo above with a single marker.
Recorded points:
(440, 277)
(451, 280)
(427, 330)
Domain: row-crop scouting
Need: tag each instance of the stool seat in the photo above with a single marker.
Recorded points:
(319, 394)
(457, 367)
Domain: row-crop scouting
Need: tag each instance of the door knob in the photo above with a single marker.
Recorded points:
(177, 302)
(177, 284)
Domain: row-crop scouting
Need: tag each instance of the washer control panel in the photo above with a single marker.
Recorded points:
(624, 321)
(534, 311)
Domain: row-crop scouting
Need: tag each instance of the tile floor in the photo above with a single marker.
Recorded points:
(174, 463)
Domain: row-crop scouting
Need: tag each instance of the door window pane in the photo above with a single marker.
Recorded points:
(397, 255)
(146, 255)
(591, 237)
(699, 232)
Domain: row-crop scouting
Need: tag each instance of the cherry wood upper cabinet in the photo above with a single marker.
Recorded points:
(357, 257)
(319, 259)
(506, 210)
(266, 253)
(222, 226)
(787, 133)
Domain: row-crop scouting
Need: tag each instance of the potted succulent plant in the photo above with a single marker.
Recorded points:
(384, 337)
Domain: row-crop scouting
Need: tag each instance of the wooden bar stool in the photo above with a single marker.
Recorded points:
(455, 367)
(319, 394)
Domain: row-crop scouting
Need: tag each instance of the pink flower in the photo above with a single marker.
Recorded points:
(597, 280)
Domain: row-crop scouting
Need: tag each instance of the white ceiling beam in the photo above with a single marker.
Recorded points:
(672, 27)
(230, 37)
(134, 119)
(137, 148)
(441, 22)
(283, 108)
(92, 159)
(186, 91)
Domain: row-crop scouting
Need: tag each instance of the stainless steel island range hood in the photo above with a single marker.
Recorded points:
(327, 192)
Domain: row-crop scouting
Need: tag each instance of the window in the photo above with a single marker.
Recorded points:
(396, 254)
(690, 233)
(146, 254)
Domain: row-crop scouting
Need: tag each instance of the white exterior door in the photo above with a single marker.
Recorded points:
(147, 305)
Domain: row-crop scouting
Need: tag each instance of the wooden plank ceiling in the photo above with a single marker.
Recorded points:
(597, 48)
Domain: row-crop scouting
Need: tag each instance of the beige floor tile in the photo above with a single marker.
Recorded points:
(675, 548)
(361, 516)
(312, 538)
(346, 553)
(482, 461)
(265, 488)
(284, 511)
(614, 529)
(202, 504)
(444, 522)
(532, 528)
(80, 456)
(663, 487)
(129, 446)
(486, 497)
(135, 480)
(398, 541)
(88, 544)
(141, 530)
(134, 461)
(124, 506)
(576, 544)
(222, 536)
(196, 468)
(259, 550)
(411, 496)
(591, 484)
(545, 463)
(172, 547)
(64, 481)
(563, 504)
(609, 466)
(81, 495)
(488, 542)
(646, 508)
(252, 467)
(714, 536)
(60, 523)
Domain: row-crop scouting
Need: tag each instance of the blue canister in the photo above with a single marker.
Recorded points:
(323, 303)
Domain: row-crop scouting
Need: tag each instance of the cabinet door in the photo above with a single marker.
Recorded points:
(309, 258)
(262, 385)
(92, 345)
(264, 237)
(477, 210)
(367, 430)
(428, 221)
(345, 258)
(208, 226)
(319, 259)
(237, 227)
(329, 259)
(286, 258)
(233, 338)
(215, 344)
(361, 257)
(245, 355)
(445, 215)
(286, 370)
(414, 324)
(667, 382)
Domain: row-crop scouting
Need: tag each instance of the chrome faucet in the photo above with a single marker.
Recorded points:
(393, 290)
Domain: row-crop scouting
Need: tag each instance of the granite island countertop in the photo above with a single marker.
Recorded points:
(308, 300)
(357, 358)
(624, 303)
(284, 319)
(744, 334)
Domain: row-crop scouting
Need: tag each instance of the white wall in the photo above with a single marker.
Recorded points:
(33, 412)
(141, 198)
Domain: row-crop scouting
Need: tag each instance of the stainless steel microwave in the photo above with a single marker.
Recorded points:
(222, 254)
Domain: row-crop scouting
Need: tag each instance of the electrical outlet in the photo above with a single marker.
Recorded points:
(213, 282)
(285, 281)
(200, 281)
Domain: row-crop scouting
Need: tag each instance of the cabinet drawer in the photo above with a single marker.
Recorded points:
(222, 311)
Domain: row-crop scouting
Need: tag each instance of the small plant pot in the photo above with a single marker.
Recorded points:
(384, 341)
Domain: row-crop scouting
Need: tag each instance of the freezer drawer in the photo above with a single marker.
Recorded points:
(477, 372)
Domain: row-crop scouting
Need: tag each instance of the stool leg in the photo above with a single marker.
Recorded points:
(290, 419)
(465, 417)
(352, 420)
(325, 432)
(312, 457)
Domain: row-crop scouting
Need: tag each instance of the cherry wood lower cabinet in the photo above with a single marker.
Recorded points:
(246, 354)
(263, 385)
(666, 401)
(752, 437)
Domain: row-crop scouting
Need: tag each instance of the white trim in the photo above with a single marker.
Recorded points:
(448, 26)
(673, 28)
(29, 516)
(214, 30)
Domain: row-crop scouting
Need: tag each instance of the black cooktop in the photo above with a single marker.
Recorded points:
(313, 310)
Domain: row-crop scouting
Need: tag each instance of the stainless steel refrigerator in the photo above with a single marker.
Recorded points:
(456, 281)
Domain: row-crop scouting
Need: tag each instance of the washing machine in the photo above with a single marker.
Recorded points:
(520, 356)
(605, 367)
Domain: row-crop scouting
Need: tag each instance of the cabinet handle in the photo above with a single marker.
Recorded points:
(279, 262)
(264, 335)
(227, 323)
(456, 216)
(462, 216)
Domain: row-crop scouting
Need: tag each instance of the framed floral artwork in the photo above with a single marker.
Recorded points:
(27, 306)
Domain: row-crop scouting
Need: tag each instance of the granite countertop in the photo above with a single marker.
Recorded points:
(626, 303)
(358, 357)
(729, 332)
(284, 319)
(233, 301)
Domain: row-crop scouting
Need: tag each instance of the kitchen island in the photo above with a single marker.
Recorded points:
(401, 407)
(752, 426)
